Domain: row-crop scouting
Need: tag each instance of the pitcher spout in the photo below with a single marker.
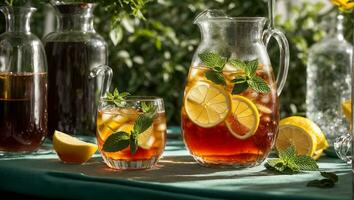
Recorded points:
(209, 14)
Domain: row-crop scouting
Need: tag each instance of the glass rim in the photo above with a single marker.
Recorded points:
(135, 98)
(206, 68)
(60, 2)
(26, 7)
(232, 19)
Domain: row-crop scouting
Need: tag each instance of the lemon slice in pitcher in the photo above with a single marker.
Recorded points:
(207, 104)
(244, 121)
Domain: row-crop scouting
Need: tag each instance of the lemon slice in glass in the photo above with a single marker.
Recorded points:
(303, 134)
(145, 139)
(207, 104)
(71, 149)
(347, 110)
(244, 121)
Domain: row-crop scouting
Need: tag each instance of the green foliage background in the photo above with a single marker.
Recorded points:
(152, 56)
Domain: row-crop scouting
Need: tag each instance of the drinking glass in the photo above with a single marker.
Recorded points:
(114, 118)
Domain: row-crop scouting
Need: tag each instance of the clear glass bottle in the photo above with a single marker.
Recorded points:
(75, 54)
(328, 81)
(23, 84)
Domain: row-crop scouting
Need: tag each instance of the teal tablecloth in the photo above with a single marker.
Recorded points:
(177, 176)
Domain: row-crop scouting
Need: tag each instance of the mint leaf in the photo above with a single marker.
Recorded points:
(148, 108)
(116, 92)
(306, 163)
(287, 154)
(251, 67)
(258, 84)
(290, 162)
(142, 123)
(215, 77)
(328, 182)
(117, 98)
(239, 87)
(238, 64)
(323, 183)
(330, 175)
(275, 164)
(116, 142)
(213, 60)
(239, 79)
(133, 143)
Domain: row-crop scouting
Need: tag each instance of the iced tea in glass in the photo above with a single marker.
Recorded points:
(121, 120)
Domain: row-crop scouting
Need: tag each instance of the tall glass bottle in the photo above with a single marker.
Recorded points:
(75, 54)
(328, 81)
(23, 84)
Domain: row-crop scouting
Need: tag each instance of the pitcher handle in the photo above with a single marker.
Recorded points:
(284, 55)
(106, 73)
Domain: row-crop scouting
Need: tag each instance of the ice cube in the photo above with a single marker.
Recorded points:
(263, 109)
(265, 99)
(161, 127)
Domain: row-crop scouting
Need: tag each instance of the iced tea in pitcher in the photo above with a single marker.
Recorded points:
(230, 109)
(220, 127)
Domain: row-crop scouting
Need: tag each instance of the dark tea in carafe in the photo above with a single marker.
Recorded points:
(71, 96)
(76, 54)
(23, 113)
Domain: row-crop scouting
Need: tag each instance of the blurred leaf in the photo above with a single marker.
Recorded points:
(116, 35)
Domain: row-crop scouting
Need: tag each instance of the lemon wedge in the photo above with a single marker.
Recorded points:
(244, 121)
(145, 139)
(303, 134)
(207, 104)
(71, 149)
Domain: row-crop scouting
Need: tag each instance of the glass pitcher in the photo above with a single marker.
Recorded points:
(77, 75)
(23, 84)
(230, 109)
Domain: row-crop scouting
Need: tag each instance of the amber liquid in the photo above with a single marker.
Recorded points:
(110, 121)
(72, 97)
(217, 145)
(23, 111)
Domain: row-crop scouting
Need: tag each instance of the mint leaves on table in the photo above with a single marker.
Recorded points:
(330, 179)
(117, 97)
(289, 162)
(216, 64)
(121, 140)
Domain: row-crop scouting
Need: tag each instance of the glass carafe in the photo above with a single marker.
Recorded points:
(23, 84)
(77, 74)
(329, 81)
(230, 109)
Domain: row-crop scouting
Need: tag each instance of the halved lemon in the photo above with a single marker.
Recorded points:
(145, 139)
(71, 149)
(303, 134)
(244, 120)
(207, 104)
